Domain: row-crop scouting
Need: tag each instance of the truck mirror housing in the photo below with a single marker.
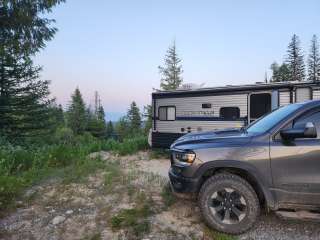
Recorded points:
(308, 131)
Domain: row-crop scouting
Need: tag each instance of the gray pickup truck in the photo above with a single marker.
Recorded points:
(273, 163)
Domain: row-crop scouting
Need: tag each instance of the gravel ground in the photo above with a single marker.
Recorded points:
(81, 210)
(269, 227)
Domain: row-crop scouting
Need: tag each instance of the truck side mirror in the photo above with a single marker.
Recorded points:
(308, 131)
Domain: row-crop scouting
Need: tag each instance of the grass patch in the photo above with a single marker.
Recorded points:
(214, 235)
(24, 166)
(159, 153)
(135, 220)
(167, 197)
(112, 174)
(96, 236)
(82, 169)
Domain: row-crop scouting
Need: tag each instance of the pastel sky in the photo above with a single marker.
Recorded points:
(115, 47)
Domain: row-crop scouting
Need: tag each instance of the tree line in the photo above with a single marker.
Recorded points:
(81, 118)
(27, 112)
(294, 68)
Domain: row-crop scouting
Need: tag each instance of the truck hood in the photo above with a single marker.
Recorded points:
(232, 136)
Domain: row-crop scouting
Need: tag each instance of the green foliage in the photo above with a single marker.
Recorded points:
(295, 60)
(159, 153)
(217, 235)
(24, 103)
(171, 72)
(122, 128)
(113, 173)
(314, 61)
(280, 73)
(64, 136)
(110, 130)
(127, 146)
(22, 166)
(167, 196)
(147, 113)
(134, 220)
(76, 114)
(23, 28)
(134, 118)
(57, 115)
(10, 187)
(97, 127)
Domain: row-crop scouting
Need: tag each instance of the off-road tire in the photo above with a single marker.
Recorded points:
(227, 180)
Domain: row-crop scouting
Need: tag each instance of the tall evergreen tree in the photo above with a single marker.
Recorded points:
(295, 60)
(275, 72)
(109, 130)
(147, 114)
(56, 116)
(97, 123)
(134, 117)
(171, 72)
(314, 61)
(122, 128)
(76, 114)
(24, 103)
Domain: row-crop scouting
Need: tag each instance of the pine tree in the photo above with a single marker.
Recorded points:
(24, 101)
(110, 130)
(275, 72)
(314, 61)
(147, 114)
(284, 73)
(56, 116)
(280, 73)
(171, 72)
(76, 114)
(100, 114)
(134, 117)
(122, 128)
(295, 60)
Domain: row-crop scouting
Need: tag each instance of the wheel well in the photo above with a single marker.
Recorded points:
(241, 173)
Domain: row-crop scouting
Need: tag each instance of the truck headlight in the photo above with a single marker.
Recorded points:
(187, 157)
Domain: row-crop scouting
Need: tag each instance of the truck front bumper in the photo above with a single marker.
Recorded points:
(182, 184)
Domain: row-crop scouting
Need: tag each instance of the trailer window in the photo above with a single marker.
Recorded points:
(167, 113)
(230, 113)
(206, 105)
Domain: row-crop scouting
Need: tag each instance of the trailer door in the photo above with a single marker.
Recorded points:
(260, 104)
(303, 94)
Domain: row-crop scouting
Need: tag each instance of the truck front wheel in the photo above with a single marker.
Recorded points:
(228, 203)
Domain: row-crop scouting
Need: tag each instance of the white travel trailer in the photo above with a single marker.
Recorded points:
(178, 112)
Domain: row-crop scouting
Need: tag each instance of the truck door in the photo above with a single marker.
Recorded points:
(295, 165)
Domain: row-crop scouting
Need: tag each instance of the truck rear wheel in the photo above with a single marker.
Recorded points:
(228, 203)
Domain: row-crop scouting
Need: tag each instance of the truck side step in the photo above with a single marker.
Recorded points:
(300, 215)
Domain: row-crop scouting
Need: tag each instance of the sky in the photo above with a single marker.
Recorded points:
(115, 47)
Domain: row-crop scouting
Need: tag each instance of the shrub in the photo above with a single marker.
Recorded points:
(10, 187)
(64, 135)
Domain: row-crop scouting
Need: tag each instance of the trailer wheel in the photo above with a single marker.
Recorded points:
(228, 203)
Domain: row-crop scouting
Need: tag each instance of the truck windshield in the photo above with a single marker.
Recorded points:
(267, 122)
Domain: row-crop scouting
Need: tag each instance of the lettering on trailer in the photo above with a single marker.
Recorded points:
(197, 113)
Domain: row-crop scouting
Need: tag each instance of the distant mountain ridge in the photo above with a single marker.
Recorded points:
(114, 116)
